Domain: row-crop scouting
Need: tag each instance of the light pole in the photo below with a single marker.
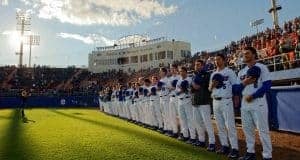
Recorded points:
(274, 11)
(23, 23)
(32, 40)
(256, 23)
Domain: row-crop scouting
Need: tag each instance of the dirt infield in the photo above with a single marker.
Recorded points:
(286, 146)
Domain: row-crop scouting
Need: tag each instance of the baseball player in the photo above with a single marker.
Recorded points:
(105, 101)
(146, 100)
(253, 82)
(164, 99)
(154, 108)
(135, 100)
(142, 100)
(172, 120)
(201, 106)
(221, 82)
(140, 106)
(101, 101)
(24, 97)
(128, 100)
(113, 101)
(185, 107)
(155, 103)
(121, 101)
(109, 104)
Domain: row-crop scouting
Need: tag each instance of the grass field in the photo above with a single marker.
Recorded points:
(85, 134)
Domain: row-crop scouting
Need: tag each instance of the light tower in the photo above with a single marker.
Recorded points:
(274, 11)
(32, 40)
(23, 23)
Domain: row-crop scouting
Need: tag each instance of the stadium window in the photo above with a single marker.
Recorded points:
(156, 57)
(170, 54)
(189, 54)
(144, 58)
(134, 59)
(182, 53)
(150, 56)
(123, 60)
(112, 61)
(185, 53)
(162, 55)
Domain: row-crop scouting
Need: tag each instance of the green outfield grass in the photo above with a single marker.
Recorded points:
(62, 134)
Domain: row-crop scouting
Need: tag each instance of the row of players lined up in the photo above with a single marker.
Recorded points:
(178, 105)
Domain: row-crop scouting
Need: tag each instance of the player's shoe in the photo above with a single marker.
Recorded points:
(248, 156)
(211, 148)
(233, 154)
(224, 150)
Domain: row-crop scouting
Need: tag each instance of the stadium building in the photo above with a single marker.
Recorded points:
(136, 52)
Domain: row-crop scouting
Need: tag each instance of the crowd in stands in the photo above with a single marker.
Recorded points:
(279, 45)
(279, 48)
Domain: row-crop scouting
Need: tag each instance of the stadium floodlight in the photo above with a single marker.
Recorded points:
(23, 23)
(4, 2)
(31, 40)
(256, 23)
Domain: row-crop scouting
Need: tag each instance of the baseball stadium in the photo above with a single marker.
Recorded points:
(149, 79)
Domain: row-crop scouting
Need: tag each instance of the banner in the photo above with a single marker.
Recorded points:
(284, 108)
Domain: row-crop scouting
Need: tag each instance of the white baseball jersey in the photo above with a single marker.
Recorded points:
(189, 79)
(114, 96)
(229, 80)
(147, 88)
(171, 79)
(130, 90)
(252, 88)
(164, 90)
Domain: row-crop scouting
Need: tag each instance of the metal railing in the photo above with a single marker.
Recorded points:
(281, 62)
(275, 63)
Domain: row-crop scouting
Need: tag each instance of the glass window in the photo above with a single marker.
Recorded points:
(144, 58)
(134, 59)
(170, 54)
(150, 57)
(162, 55)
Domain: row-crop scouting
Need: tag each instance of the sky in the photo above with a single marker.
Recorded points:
(70, 29)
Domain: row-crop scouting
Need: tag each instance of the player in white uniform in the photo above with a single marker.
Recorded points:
(101, 101)
(165, 99)
(221, 82)
(134, 109)
(185, 107)
(104, 101)
(254, 111)
(156, 102)
(141, 105)
(172, 120)
(128, 101)
(113, 101)
(108, 100)
(121, 101)
(117, 103)
(156, 117)
(146, 108)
